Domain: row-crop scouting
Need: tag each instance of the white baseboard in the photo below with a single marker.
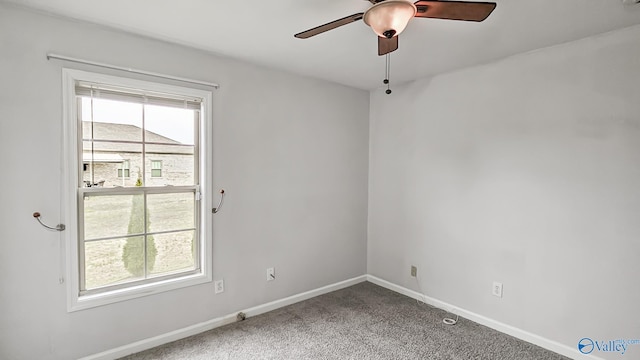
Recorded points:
(544, 343)
(217, 322)
(260, 309)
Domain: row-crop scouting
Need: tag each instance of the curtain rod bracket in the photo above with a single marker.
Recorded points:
(59, 227)
(216, 209)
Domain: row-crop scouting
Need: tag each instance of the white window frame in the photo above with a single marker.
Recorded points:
(122, 169)
(76, 301)
(152, 168)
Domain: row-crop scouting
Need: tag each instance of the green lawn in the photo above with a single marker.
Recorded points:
(108, 216)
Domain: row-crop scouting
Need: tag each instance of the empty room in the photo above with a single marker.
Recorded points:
(382, 179)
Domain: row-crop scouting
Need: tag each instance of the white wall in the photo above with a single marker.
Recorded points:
(291, 152)
(524, 171)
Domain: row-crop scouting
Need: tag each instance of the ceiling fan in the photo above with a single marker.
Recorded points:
(388, 18)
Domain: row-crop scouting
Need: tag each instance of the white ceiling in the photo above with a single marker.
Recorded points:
(262, 32)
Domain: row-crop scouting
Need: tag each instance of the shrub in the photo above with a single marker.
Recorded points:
(133, 251)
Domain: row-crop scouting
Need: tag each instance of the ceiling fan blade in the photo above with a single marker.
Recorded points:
(386, 46)
(329, 26)
(454, 10)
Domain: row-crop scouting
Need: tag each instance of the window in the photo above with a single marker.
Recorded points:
(123, 170)
(156, 168)
(133, 236)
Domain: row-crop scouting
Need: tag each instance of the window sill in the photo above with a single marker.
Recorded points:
(94, 300)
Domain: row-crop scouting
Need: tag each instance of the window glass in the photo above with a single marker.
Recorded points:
(104, 119)
(166, 212)
(112, 215)
(175, 252)
(138, 192)
(105, 261)
(165, 122)
(171, 165)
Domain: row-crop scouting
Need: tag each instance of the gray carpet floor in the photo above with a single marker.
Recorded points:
(364, 321)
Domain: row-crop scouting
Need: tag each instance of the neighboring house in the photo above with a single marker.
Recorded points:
(114, 158)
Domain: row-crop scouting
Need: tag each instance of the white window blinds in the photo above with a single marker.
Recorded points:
(136, 96)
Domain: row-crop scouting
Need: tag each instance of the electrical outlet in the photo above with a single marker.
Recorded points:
(271, 274)
(497, 289)
(219, 286)
(414, 271)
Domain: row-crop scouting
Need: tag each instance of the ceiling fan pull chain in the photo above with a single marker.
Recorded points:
(387, 70)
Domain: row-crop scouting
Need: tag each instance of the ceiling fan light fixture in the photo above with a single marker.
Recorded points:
(390, 17)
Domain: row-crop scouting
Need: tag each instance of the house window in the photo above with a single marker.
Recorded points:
(156, 168)
(123, 170)
(132, 237)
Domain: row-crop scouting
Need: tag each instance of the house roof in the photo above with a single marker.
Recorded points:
(126, 132)
(109, 136)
